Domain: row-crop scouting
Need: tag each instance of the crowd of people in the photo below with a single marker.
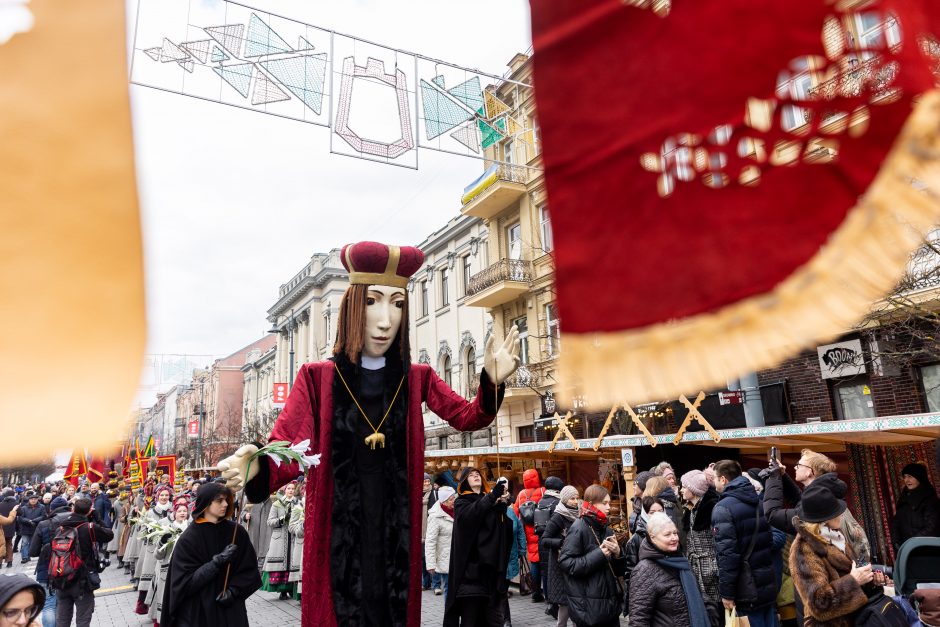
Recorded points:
(696, 550)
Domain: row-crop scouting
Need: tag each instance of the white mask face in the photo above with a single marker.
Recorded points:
(384, 306)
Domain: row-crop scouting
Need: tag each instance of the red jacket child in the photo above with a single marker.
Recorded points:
(533, 492)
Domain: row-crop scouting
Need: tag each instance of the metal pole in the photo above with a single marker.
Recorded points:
(202, 420)
(290, 335)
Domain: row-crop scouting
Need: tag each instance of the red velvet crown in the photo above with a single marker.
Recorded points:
(372, 263)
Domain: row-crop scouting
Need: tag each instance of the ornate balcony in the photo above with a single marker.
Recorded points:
(872, 76)
(502, 282)
(497, 188)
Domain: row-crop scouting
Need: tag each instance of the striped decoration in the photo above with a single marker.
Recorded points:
(875, 473)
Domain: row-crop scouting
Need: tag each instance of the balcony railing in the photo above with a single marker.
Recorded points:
(493, 174)
(503, 270)
(872, 75)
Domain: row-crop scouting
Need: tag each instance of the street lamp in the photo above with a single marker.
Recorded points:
(290, 335)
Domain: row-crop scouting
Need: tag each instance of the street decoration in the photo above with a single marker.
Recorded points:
(756, 184)
(562, 423)
(71, 236)
(696, 415)
(77, 468)
(380, 103)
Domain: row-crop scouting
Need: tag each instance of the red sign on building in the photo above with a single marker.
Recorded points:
(193, 431)
(280, 395)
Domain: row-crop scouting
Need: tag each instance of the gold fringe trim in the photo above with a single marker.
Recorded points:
(863, 260)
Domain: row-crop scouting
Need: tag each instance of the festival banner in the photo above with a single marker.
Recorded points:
(193, 429)
(77, 467)
(722, 197)
(280, 395)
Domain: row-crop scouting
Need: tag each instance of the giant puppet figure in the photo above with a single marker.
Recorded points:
(361, 411)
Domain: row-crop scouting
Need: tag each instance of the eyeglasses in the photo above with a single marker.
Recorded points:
(799, 465)
(29, 612)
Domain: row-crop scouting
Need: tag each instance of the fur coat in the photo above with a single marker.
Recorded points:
(831, 596)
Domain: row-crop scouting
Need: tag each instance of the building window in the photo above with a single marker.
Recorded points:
(853, 399)
(445, 370)
(536, 139)
(514, 237)
(424, 298)
(553, 327)
(526, 434)
(523, 325)
(470, 369)
(442, 442)
(930, 379)
(795, 85)
(466, 439)
(445, 287)
(489, 437)
(508, 151)
(874, 33)
(466, 274)
(546, 228)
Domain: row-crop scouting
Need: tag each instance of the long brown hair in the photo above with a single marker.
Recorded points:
(350, 332)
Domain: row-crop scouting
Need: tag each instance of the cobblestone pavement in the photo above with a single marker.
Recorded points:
(114, 605)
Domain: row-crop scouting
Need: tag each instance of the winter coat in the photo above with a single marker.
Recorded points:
(296, 529)
(258, 529)
(918, 514)
(27, 517)
(631, 553)
(480, 547)
(594, 595)
(518, 550)
(735, 519)
(84, 531)
(820, 572)
(428, 499)
(5, 520)
(552, 538)
(102, 507)
(656, 597)
(119, 507)
(6, 506)
(700, 545)
(438, 540)
(279, 551)
(146, 568)
(533, 491)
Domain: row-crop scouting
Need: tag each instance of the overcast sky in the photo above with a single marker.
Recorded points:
(234, 202)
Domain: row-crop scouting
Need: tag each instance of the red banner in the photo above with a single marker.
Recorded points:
(280, 395)
(193, 430)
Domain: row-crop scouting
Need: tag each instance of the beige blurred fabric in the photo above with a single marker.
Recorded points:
(71, 272)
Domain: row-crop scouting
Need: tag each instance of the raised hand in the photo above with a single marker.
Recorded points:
(234, 466)
(501, 362)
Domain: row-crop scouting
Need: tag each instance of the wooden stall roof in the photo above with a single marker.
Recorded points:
(887, 431)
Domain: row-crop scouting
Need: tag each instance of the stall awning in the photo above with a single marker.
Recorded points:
(887, 431)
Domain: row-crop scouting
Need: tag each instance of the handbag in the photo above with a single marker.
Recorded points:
(733, 620)
(525, 577)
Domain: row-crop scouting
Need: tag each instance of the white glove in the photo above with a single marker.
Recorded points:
(234, 466)
(501, 362)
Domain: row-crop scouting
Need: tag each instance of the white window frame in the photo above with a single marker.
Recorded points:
(445, 288)
(467, 273)
(508, 147)
(424, 298)
(523, 338)
(552, 329)
(545, 227)
(888, 32)
(517, 227)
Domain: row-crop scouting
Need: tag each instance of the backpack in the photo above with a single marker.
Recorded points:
(65, 564)
(527, 511)
(881, 611)
(543, 513)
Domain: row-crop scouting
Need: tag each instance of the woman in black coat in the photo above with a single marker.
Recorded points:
(649, 505)
(663, 589)
(591, 560)
(563, 516)
(479, 553)
(918, 510)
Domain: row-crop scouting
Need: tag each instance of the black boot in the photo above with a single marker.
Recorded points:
(537, 597)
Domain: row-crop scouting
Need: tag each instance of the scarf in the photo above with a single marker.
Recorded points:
(588, 510)
(571, 513)
(693, 595)
(554, 493)
(644, 514)
(160, 509)
(833, 537)
(448, 510)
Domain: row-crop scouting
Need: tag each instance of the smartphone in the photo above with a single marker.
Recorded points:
(772, 456)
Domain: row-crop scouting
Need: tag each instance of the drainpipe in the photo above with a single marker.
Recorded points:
(753, 408)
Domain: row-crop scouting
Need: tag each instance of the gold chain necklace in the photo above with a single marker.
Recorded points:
(376, 439)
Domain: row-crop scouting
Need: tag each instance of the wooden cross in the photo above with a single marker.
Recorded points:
(563, 428)
(694, 414)
(636, 421)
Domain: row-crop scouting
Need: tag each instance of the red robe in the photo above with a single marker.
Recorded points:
(313, 388)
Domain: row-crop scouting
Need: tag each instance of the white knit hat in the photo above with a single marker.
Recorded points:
(445, 493)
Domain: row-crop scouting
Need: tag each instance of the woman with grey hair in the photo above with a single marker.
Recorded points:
(663, 590)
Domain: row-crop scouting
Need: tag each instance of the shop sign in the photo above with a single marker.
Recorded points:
(734, 397)
(549, 407)
(626, 457)
(280, 395)
(842, 359)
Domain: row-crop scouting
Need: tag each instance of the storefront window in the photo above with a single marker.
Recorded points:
(853, 400)
(930, 375)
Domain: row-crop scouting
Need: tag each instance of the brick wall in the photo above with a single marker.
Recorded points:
(810, 394)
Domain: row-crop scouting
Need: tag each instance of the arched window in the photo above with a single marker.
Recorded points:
(445, 370)
(470, 366)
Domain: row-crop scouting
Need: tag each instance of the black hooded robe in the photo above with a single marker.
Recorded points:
(193, 583)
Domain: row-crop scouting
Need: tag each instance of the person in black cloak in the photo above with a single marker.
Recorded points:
(194, 594)
(479, 553)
